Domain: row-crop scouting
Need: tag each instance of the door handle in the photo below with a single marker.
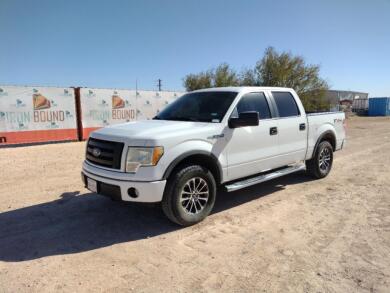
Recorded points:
(273, 131)
(302, 126)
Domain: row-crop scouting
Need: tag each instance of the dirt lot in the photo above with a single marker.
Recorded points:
(291, 234)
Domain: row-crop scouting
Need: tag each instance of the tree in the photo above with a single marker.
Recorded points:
(198, 81)
(274, 69)
(248, 78)
(223, 75)
(285, 70)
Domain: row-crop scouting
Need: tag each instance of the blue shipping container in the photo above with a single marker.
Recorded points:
(379, 106)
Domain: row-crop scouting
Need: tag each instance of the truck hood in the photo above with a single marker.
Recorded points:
(157, 130)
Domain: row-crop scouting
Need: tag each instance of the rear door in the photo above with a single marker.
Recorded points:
(292, 128)
(252, 149)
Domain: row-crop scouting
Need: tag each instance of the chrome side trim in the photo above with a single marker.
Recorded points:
(262, 178)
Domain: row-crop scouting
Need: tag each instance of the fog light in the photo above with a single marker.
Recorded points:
(132, 192)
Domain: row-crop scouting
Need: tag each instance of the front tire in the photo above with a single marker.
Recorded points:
(320, 165)
(189, 195)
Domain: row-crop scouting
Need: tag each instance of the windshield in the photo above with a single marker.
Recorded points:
(199, 106)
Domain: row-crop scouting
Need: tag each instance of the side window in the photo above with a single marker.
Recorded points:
(254, 102)
(286, 104)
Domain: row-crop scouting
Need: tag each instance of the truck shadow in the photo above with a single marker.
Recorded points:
(82, 222)
(226, 200)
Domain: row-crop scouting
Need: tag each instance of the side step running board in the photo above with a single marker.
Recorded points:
(262, 178)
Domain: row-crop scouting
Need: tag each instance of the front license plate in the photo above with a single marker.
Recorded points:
(92, 185)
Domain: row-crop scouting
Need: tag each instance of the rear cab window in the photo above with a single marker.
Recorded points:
(253, 102)
(286, 104)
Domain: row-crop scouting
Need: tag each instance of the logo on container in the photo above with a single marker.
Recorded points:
(118, 109)
(103, 103)
(90, 94)
(3, 92)
(43, 112)
(20, 126)
(53, 125)
(67, 93)
(40, 102)
(18, 104)
(53, 103)
(117, 102)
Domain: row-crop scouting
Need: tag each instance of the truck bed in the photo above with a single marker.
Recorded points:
(318, 123)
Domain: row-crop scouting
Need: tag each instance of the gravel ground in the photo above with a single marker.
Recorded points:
(292, 234)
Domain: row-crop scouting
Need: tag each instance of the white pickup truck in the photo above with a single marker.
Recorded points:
(230, 137)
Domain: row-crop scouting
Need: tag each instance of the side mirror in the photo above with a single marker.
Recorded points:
(245, 119)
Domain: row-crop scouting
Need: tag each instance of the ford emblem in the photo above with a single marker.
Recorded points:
(96, 152)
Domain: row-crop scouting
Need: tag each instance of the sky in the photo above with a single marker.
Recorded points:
(113, 44)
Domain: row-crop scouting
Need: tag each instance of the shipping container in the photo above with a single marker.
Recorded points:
(379, 106)
(36, 114)
(103, 107)
(46, 114)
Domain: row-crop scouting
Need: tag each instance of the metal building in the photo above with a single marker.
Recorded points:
(348, 101)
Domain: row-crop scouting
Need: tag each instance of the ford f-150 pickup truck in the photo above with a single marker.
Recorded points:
(208, 139)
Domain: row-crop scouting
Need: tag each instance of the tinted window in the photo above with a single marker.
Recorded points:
(254, 102)
(199, 106)
(286, 104)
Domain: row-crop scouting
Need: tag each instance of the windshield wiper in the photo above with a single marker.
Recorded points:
(179, 118)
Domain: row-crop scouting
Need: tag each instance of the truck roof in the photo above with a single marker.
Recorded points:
(244, 89)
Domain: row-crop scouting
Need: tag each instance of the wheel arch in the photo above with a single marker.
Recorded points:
(328, 135)
(203, 158)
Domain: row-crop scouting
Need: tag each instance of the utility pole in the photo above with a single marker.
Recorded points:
(159, 84)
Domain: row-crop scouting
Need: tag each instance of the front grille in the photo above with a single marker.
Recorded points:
(104, 153)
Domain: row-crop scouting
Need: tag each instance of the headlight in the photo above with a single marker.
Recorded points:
(142, 156)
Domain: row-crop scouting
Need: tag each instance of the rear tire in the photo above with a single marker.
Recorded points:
(320, 165)
(189, 195)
